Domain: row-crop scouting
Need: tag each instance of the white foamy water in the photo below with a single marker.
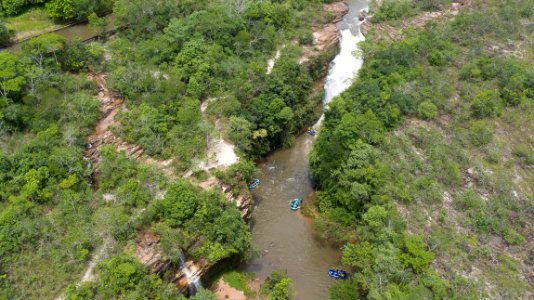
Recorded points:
(192, 279)
(345, 65)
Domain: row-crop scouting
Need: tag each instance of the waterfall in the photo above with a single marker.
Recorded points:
(345, 65)
(193, 281)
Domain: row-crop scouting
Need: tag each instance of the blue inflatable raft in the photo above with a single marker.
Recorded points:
(295, 204)
(254, 183)
(337, 274)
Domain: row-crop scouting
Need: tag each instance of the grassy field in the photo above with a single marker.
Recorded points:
(31, 23)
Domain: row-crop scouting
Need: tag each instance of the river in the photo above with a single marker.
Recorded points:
(286, 239)
(80, 31)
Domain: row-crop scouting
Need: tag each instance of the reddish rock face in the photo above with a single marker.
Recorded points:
(198, 270)
(149, 252)
(339, 9)
(326, 35)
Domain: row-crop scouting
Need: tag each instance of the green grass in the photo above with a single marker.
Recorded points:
(239, 280)
(33, 22)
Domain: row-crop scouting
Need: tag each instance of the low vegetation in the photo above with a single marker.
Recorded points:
(278, 286)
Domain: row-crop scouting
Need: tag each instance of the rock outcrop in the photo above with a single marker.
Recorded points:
(326, 35)
(243, 200)
(149, 252)
(198, 270)
(111, 104)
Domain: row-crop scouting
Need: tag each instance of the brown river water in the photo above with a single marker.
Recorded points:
(286, 239)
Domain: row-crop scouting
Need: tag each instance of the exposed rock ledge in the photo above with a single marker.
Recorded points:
(243, 200)
(150, 254)
(326, 35)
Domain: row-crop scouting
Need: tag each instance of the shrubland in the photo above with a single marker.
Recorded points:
(423, 163)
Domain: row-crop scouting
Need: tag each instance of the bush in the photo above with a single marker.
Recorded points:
(13, 7)
(512, 237)
(5, 34)
(427, 110)
(481, 132)
(525, 154)
(278, 286)
(432, 4)
(393, 10)
(306, 38)
(469, 200)
(487, 103)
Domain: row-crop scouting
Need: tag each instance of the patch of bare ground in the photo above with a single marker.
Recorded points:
(223, 291)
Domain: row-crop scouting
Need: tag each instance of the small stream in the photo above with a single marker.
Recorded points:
(286, 239)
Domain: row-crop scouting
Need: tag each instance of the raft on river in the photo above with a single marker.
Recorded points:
(295, 204)
(254, 183)
(337, 274)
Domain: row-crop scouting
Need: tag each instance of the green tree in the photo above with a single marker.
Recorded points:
(241, 132)
(5, 34)
(45, 49)
(179, 204)
(12, 71)
(97, 24)
(278, 286)
(13, 7)
(61, 9)
(76, 56)
(415, 255)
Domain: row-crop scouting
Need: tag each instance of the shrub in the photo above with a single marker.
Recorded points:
(5, 34)
(469, 200)
(278, 286)
(512, 237)
(306, 38)
(525, 154)
(432, 4)
(481, 132)
(427, 110)
(393, 10)
(487, 103)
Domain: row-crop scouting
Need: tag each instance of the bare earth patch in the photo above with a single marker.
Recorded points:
(223, 291)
